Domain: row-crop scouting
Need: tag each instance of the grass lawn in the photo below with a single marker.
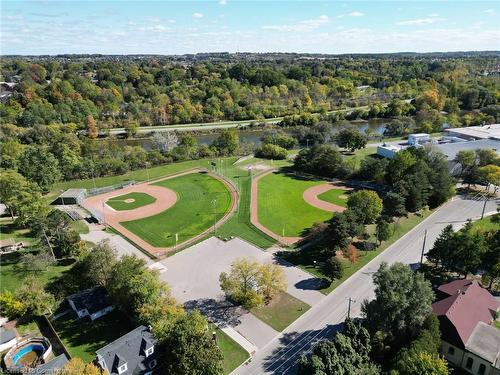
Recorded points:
(9, 230)
(359, 155)
(281, 207)
(138, 200)
(234, 354)
(487, 224)
(335, 196)
(11, 277)
(82, 337)
(305, 259)
(496, 323)
(80, 226)
(193, 213)
(282, 311)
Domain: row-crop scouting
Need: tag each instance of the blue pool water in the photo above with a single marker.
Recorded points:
(38, 349)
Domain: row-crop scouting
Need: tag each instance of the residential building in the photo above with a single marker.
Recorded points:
(132, 354)
(92, 303)
(468, 338)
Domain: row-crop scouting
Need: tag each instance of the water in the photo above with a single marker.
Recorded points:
(249, 136)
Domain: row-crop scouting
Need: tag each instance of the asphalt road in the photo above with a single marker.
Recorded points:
(280, 355)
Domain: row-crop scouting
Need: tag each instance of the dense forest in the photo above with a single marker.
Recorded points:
(170, 90)
(53, 108)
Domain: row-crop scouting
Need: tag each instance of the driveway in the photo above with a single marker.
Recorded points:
(193, 276)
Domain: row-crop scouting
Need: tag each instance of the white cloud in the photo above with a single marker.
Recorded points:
(302, 26)
(197, 15)
(490, 11)
(222, 2)
(420, 21)
(356, 14)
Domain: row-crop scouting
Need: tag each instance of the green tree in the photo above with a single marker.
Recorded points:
(131, 128)
(227, 142)
(187, 347)
(383, 230)
(402, 302)
(466, 159)
(332, 268)
(421, 363)
(351, 139)
(37, 164)
(271, 280)
(90, 124)
(269, 151)
(76, 366)
(11, 306)
(99, 264)
(394, 205)
(367, 205)
(321, 160)
(36, 300)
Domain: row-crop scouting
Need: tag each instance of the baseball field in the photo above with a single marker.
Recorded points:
(202, 200)
(130, 201)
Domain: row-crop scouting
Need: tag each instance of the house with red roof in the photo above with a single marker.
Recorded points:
(466, 311)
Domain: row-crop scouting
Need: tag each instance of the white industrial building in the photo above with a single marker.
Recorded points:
(491, 131)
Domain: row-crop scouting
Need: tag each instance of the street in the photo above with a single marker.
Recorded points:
(280, 355)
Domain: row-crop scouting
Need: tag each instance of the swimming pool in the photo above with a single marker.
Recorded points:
(28, 354)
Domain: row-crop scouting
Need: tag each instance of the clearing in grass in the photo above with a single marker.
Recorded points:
(130, 201)
(281, 206)
(202, 201)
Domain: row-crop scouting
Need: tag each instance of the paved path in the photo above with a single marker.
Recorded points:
(325, 318)
(122, 246)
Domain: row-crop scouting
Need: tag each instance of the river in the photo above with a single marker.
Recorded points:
(248, 136)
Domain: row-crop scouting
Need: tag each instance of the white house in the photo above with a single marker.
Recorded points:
(93, 303)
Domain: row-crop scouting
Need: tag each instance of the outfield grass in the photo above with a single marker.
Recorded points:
(234, 354)
(282, 311)
(139, 199)
(335, 196)
(193, 213)
(306, 259)
(82, 338)
(281, 207)
(239, 224)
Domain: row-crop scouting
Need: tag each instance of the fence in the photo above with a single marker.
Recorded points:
(107, 189)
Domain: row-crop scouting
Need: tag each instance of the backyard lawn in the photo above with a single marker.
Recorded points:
(281, 207)
(335, 196)
(234, 354)
(202, 200)
(82, 337)
(282, 311)
(130, 201)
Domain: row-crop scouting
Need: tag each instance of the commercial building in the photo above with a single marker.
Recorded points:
(475, 132)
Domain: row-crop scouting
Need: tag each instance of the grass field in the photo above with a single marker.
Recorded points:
(139, 199)
(487, 224)
(82, 338)
(282, 311)
(193, 213)
(281, 207)
(234, 354)
(335, 196)
(306, 259)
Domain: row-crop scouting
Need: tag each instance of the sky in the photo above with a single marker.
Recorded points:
(179, 27)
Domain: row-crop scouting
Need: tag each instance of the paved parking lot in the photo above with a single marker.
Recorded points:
(193, 275)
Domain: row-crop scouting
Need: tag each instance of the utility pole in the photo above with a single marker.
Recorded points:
(485, 201)
(423, 248)
(49, 244)
(349, 307)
